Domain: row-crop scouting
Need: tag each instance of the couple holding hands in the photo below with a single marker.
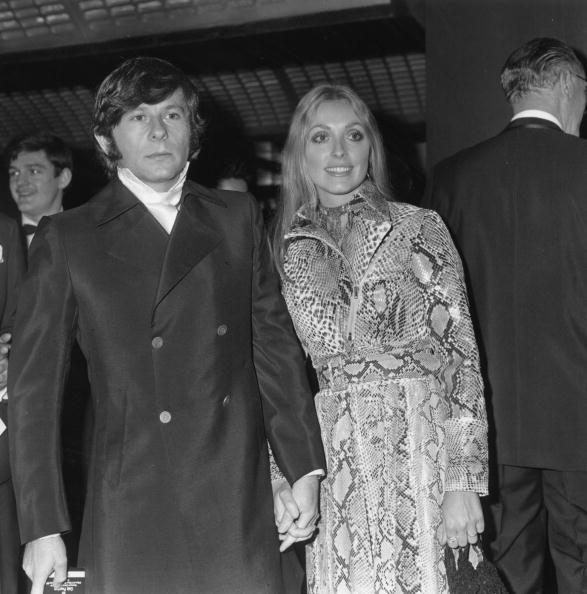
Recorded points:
(184, 314)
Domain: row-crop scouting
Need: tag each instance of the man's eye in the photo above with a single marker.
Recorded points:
(174, 115)
(137, 117)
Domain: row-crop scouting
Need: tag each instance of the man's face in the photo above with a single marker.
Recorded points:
(154, 141)
(35, 186)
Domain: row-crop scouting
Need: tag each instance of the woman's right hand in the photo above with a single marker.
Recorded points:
(462, 519)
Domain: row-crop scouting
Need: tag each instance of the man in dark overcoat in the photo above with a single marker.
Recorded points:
(517, 206)
(192, 358)
(11, 270)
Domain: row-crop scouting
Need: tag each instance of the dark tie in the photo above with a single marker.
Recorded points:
(29, 229)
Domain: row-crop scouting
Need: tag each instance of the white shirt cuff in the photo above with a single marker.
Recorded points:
(317, 472)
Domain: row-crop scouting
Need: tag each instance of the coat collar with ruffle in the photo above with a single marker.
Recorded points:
(377, 210)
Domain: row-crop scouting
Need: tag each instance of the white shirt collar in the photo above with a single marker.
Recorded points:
(146, 194)
(26, 220)
(537, 113)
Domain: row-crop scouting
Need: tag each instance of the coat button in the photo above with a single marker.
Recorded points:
(165, 416)
(226, 400)
(222, 330)
(157, 342)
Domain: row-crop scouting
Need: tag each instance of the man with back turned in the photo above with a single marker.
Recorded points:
(192, 358)
(517, 206)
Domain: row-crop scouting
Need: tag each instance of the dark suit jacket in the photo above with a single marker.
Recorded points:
(517, 207)
(11, 270)
(192, 361)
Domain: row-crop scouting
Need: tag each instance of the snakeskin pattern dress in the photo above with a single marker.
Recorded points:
(376, 293)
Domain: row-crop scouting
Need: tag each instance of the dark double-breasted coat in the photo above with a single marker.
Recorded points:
(193, 362)
(517, 207)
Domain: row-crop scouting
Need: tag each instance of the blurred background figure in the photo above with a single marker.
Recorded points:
(40, 168)
(234, 177)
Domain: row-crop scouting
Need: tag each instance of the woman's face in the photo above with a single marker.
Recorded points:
(337, 152)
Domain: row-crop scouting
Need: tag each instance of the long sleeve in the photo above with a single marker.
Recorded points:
(290, 417)
(466, 425)
(43, 334)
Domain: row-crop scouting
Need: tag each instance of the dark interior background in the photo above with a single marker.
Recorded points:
(251, 60)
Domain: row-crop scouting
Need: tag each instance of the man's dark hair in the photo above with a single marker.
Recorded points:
(537, 65)
(141, 80)
(58, 153)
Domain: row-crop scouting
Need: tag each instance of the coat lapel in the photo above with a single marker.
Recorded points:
(193, 237)
(131, 234)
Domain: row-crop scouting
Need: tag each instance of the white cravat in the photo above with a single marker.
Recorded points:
(162, 205)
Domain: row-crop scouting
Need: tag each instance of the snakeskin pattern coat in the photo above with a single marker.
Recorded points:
(383, 313)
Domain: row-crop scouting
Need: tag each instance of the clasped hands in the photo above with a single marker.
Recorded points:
(296, 509)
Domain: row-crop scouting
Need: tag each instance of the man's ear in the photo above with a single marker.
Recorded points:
(64, 178)
(565, 82)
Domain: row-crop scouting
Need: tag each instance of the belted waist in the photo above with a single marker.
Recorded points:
(339, 371)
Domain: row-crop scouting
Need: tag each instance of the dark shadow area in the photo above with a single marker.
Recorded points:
(225, 152)
(406, 171)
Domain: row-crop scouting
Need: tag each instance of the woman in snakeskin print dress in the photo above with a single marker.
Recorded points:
(375, 289)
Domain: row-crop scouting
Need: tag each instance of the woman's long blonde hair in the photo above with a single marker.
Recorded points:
(297, 188)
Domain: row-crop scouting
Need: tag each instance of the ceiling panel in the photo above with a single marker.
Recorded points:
(263, 98)
(26, 25)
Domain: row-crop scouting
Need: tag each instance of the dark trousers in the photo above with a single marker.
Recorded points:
(539, 509)
(9, 541)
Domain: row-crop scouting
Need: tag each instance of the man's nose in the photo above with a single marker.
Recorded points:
(158, 129)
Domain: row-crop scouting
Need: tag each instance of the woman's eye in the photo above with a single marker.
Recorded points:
(320, 137)
(356, 135)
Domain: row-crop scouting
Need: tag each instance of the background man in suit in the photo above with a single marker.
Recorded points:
(39, 170)
(40, 167)
(517, 206)
(11, 269)
(192, 358)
